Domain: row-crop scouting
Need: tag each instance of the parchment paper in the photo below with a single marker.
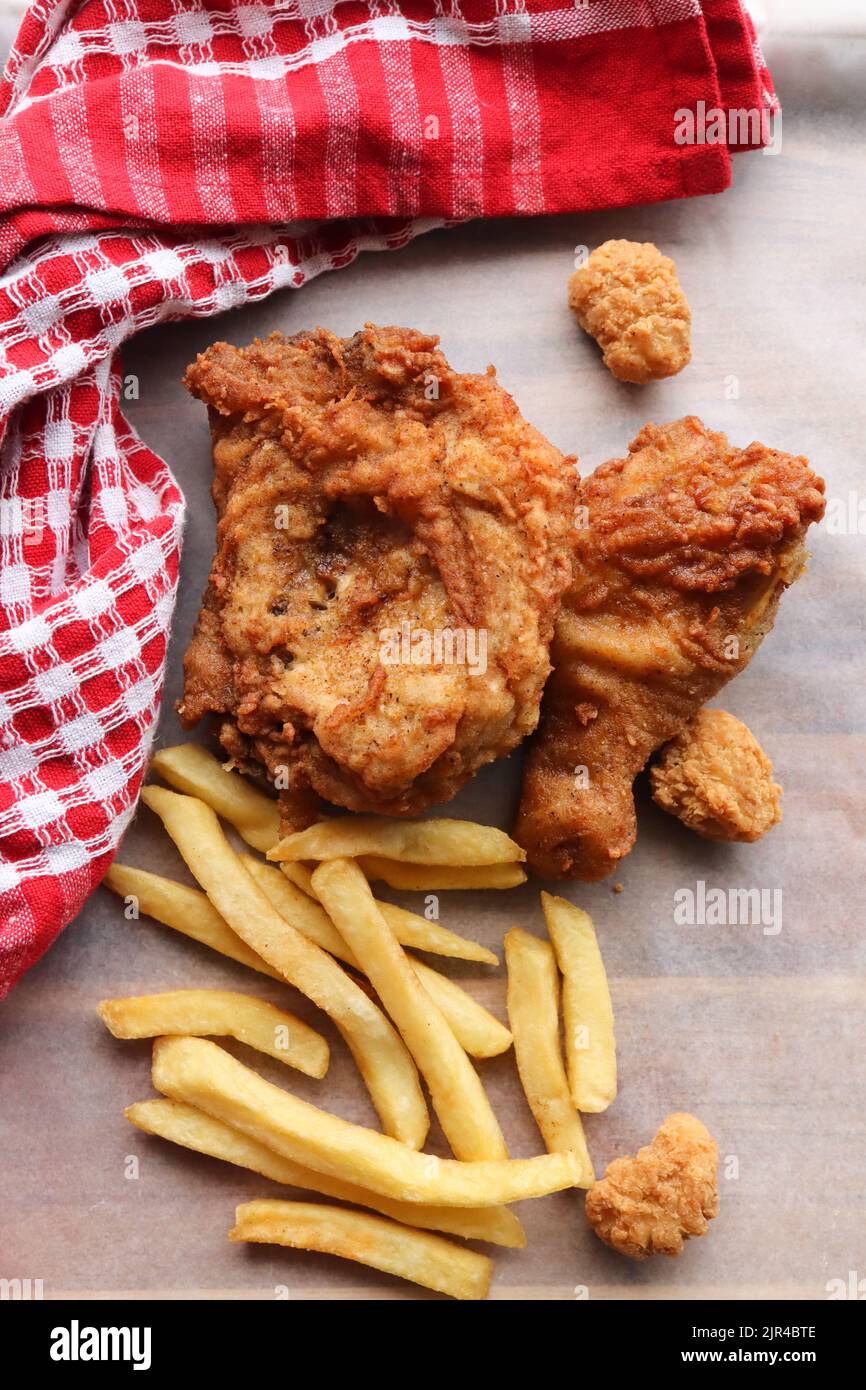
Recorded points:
(759, 1034)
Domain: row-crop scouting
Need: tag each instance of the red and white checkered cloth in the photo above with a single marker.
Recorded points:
(160, 159)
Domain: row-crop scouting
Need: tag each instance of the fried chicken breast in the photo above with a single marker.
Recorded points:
(653, 1203)
(393, 544)
(684, 550)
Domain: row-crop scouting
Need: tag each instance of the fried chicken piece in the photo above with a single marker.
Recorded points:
(686, 548)
(628, 297)
(651, 1204)
(393, 544)
(715, 777)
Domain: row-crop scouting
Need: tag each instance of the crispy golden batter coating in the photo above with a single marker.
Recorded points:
(716, 778)
(651, 1204)
(687, 547)
(393, 544)
(628, 297)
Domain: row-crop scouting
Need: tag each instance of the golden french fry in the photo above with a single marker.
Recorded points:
(533, 1013)
(204, 1075)
(219, 1013)
(190, 768)
(415, 1255)
(590, 1046)
(193, 1129)
(409, 928)
(382, 1059)
(301, 876)
(458, 1096)
(436, 878)
(439, 841)
(187, 910)
(477, 1031)
(190, 911)
(303, 911)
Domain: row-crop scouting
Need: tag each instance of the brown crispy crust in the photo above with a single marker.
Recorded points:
(653, 1203)
(687, 510)
(628, 297)
(715, 777)
(408, 492)
(685, 549)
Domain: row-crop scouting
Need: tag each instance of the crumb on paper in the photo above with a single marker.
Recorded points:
(628, 297)
(652, 1203)
(717, 780)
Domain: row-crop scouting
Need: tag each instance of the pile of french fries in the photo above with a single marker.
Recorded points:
(306, 914)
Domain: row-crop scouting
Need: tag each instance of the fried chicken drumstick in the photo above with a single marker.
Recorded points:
(393, 544)
(685, 549)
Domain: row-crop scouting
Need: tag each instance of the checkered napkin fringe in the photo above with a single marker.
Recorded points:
(161, 159)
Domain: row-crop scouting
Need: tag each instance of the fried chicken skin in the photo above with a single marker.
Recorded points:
(393, 544)
(685, 549)
(715, 777)
(651, 1204)
(628, 297)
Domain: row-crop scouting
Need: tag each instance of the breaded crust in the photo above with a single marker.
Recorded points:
(628, 297)
(684, 551)
(380, 517)
(653, 1203)
(715, 777)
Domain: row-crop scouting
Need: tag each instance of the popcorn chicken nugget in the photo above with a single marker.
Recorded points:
(628, 297)
(652, 1203)
(715, 777)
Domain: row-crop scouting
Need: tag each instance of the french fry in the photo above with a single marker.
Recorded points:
(533, 1013)
(382, 1059)
(590, 1046)
(304, 912)
(191, 769)
(413, 930)
(439, 841)
(409, 928)
(301, 876)
(477, 1031)
(219, 1013)
(419, 878)
(193, 1129)
(437, 878)
(204, 1075)
(458, 1096)
(190, 911)
(187, 910)
(415, 1255)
